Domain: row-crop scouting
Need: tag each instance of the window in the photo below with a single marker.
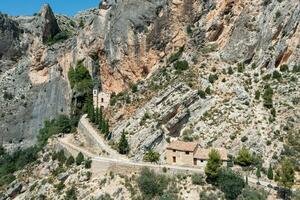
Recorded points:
(201, 160)
(187, 153)
(102, 100)
(174, 159)
(174, 150)
(195, 161)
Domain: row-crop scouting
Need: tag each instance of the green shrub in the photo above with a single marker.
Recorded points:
(134, 88)
(202, 94)
(253, 194)
(60, 186)
(241, 67)
(59, 37)
(212, 78)
(268, 96)
(244, 157)
(88, 163)
(181, 65)
(284, 68)
(296, 68)
(230, 183)
(60, 125)
(79, 159)
(267, 77)
(257, 95)
(244, 138)
(208, 91)
(151, 156)
(177, 55)
(6, 179)
(276, 75)
(8, 96)
(198, 179)
(230, 71)
(151, 184)
(71, 194)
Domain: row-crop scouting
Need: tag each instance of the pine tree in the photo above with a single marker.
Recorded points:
(270, 173)
(102, 125)
(123, 146)
(214, 164)
(286, 176)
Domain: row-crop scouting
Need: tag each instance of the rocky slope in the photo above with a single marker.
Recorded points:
(232, 48)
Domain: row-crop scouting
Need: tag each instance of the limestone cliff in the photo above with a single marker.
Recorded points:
(232, 48)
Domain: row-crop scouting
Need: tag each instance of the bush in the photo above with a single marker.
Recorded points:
(244, 138)
(71, 194)
(296, 68)
(208, 90)
(276, 75)
(79, 158)
(198, 179)
(253, 194)
(88, 163)
(257, 95)
(60, 156)
(134, 88)
(151, 156)
(59, 37)
(7, 96)
(268, 97)
(212, 78)
(7, 179)
(284, 68)
(270, 173)
(181, 65)
(230, 183)
(151, 184)
(60, 186)
(241, 67)
(244, 157)
(177, 55)
(230, 71)
(202, 94)
(60, 125)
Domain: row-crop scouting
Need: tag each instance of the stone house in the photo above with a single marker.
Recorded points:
(191, 154)
(100, 99)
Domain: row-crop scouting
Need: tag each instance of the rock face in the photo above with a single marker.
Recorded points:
(9, 38)
(50, 26)
(232, 49)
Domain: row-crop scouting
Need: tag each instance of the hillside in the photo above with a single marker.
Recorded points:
(222, 73)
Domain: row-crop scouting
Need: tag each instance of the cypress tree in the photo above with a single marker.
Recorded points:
(270, 173)
(97, 116)
(100, 116)
(123, 145)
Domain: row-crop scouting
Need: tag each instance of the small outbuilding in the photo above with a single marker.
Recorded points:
(191, 154)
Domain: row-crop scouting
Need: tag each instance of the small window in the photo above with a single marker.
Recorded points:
(102, 100)
(187, 153)
(201, 160)
(195, 161)
(174, 159)
(174, 150)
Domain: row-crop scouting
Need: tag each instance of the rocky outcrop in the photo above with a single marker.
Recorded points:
(50, 27)
(10, 33)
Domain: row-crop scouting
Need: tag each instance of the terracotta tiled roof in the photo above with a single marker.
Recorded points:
(204, 153)
(182, 146)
